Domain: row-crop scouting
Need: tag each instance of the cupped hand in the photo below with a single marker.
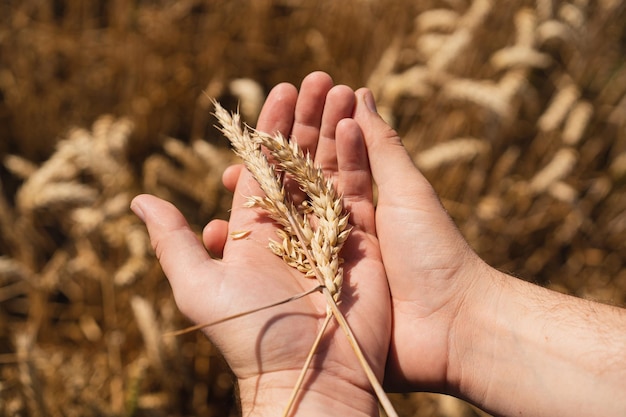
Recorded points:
(267, 349)
(431, 269)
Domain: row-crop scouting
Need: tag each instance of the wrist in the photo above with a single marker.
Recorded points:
(472, 337)
(320, 395)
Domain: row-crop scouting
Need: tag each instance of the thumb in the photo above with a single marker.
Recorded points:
(177, 247)
(392, 167)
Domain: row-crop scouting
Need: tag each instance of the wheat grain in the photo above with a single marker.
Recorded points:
(577, 122)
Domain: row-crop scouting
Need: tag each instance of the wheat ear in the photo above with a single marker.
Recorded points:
(320, 247)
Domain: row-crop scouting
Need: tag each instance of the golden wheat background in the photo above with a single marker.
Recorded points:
(516, 111)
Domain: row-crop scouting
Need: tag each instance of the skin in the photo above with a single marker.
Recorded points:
(427, 311)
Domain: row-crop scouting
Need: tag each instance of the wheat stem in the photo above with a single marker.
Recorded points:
(307, 363)
(242, 314)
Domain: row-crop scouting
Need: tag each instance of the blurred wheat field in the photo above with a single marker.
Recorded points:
(515, 111)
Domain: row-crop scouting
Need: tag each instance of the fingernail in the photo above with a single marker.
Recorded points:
(136, 208)
(368, 97)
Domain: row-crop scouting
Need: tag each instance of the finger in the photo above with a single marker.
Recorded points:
(309, 110)
(278, 109)
(354, 177)
(177, 248)
(231, 176)
(387, 155)
(276, 116)
(339, 105)
(214, 237)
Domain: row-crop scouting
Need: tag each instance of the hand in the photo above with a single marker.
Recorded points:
(463, 328)
(429, 265)
(267, 349)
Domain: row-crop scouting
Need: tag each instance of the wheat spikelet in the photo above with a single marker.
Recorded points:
(456, 150)
(182, 153)
(20, 167)
(486, 94)
(519, 57)
(558, 108)
(58, 195)
(90, 328)
(137, 263)
(573, 16)
(429, 44)
(332, 229)
(450, 50)
(563, 192)
(414, 82)
(250, 96)
(525, 27)
(577, 122)
(385, 66)
(444, 20)
(554, 29)
(512, 82)
(558, 168)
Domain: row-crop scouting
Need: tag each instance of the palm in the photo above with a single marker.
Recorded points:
(279, 338)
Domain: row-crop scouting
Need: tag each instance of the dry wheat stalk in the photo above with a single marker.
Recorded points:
(319, 247)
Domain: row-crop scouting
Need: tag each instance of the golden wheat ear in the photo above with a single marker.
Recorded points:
(313, 251)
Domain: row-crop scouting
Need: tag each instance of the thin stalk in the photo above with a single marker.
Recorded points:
(245, 313)
(307, 363)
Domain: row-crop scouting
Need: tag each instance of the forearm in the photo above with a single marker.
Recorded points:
(530, 351)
